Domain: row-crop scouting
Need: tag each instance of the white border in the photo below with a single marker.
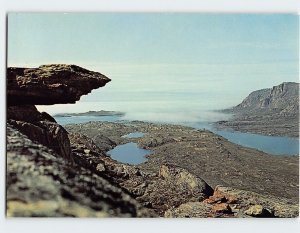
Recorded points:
(133, 225)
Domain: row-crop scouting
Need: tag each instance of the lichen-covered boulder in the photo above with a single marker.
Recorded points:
(51, 84)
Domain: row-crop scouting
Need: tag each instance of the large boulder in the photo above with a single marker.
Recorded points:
(172, 187)
(51, 84)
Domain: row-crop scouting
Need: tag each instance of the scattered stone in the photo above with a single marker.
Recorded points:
(189, 210)
(222, 208)
(258, 211)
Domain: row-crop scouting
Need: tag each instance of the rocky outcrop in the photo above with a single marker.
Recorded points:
(282, 98)
(147, 188)
(51, 84)
(45, 178)
(47, 84)
(272, 111)
(42, 185)
(40, 128)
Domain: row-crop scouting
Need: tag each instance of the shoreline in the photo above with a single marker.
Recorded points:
(265, 128)
(237, 123)
(221, 162)
(240, 138)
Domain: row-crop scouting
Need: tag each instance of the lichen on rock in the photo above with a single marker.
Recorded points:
(42, 185)
(51, 84)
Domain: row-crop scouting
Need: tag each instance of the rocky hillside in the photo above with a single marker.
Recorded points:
(271, 111)
(57, 172)
(282, 99)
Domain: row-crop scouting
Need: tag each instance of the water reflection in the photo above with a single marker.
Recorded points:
(129, 153)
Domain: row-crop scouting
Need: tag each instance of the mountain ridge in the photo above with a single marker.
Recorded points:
(270, 111)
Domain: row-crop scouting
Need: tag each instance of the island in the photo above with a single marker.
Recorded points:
(91, 113)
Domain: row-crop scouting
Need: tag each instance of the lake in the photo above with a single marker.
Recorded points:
(129, 153)
(269, 144)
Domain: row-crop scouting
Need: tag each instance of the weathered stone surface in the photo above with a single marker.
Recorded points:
(222, 208)
(40, 128)
(256, 205)
(42, 185)
(258, 211)
(185, 180)
(51, 84)
(80, 142)
(178, 187)
(103, 142)
(189, 210)
(27, 113)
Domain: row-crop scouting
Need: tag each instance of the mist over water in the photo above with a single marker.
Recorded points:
(183, 94)
(176, 92)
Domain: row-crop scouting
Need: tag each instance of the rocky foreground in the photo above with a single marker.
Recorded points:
(54, 171)
(272, 111)
(187, 157)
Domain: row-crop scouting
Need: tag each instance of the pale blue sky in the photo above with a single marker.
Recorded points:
(152, 38)
(161, 62)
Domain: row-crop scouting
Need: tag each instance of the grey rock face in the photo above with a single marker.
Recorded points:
(284, 97)
(40, 128)
(42, 185)
(272, 111)
(51, 84)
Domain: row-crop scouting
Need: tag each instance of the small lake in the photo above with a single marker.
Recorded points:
(129, 153)
(134, 135)
(269, 144)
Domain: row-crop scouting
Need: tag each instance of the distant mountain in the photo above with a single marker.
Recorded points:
(282, 99)
(271, 111)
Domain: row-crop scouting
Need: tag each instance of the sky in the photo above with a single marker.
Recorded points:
(186, 61)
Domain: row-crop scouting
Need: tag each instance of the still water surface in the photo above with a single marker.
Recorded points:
(268, 144)
(129, 153)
